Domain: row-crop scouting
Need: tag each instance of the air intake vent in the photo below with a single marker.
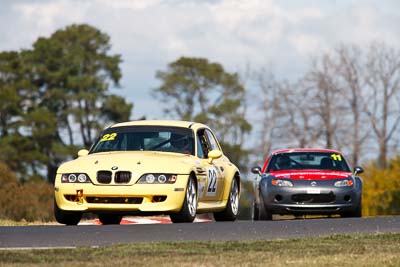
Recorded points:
(122, 177)
(104, 177)
(115, 200)
(314, 198)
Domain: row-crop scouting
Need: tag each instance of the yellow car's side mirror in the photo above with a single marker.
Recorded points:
(214, 154)
(83, 152)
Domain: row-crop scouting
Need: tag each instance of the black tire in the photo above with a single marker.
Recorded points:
(232, 206)
(189, 206)
(66, 217)
(256, 212)
(357, 213)
(106, 219)
(263, 213)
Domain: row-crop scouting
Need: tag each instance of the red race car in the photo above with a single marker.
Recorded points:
(307, 181)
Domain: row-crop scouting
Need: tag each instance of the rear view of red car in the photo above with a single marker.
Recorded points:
(307, 181)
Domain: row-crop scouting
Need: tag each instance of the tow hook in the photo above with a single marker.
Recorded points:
(79, 196)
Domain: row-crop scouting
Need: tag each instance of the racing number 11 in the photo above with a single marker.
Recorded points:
(336, 157)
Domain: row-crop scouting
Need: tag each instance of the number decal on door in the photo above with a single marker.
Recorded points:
(212, 182)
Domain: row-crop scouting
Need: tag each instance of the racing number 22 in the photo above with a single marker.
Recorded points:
(212, 182)
(108, 137)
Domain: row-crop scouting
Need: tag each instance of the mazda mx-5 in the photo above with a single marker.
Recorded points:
(307, 181)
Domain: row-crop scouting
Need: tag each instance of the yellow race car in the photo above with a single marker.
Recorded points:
(148, 168)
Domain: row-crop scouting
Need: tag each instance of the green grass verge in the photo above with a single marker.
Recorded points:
(336, 250)
(8, 222)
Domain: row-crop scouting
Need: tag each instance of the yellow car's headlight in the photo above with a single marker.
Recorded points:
(75, 178)
(157, 178)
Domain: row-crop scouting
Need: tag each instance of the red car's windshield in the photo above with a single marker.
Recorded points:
(308, 160)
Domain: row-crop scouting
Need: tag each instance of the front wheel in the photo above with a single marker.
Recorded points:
(189, 206)
(255, 212)
(232, 207)
(66, 217)
(263, 213)
(110, 219)
(356, 213)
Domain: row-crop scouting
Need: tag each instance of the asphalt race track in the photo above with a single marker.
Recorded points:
(12, 237)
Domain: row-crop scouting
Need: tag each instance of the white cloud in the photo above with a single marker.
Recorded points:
(44, 16)
(128, 4)
(305, 44)
(151, 33)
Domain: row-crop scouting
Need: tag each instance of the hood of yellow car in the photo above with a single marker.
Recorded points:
(138, 162)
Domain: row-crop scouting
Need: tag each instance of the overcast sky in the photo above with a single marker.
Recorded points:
(281, 35)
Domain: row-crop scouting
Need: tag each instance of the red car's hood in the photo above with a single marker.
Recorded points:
(310, 174)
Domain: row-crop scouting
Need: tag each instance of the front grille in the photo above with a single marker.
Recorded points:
(104, 177)
(312, 209)
(314, 198)
(115, 200)
(122, 177)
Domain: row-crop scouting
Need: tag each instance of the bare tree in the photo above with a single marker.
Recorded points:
(325, 101)
(270, 109)
(299, 126)
(383, 84)
(351, 72)
(286, 117)
(348, 100)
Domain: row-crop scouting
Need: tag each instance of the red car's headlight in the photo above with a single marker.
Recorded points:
(281, 182)
(343, 183)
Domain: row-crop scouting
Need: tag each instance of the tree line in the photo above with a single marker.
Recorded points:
(56, 97)
(348, 100)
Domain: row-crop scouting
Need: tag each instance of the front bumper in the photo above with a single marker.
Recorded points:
(310, 200)
(124, 199)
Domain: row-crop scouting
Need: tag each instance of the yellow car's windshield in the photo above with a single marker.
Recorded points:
(145, 138)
